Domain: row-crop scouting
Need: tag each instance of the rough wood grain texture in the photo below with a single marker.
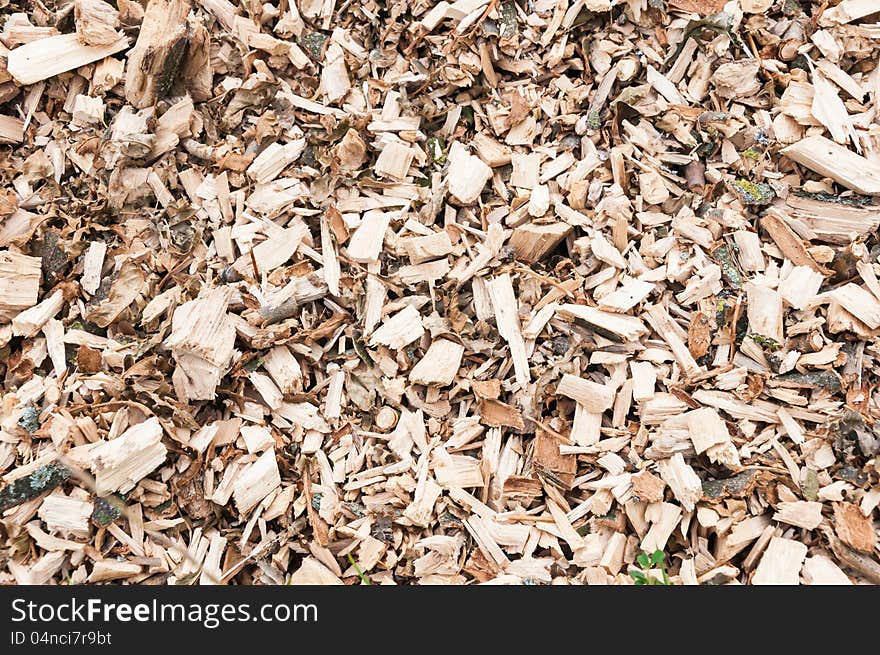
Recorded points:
(11, 129)
(96, 22)
(19, 283)
(439, 364)
(533, 242)
(456, 293)
(121, 463)
(156, 56)
(781, 563)
(837, 162)
(45, 58)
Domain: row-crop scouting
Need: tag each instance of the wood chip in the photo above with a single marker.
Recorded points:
(45, 58)
(781, 563)
(837, 162)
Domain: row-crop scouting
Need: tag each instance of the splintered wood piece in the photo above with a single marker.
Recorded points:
(11, 129)
(644, 378)
(429, 272)
(792, 428)
(828, 109)
(19, 283)
(750, 256)
(837, 162)
(854, 528)
(551, 459)
(685, 484)
(196, 70)
(31, 321)
(866, 272)
(109, 569)
(96, 22)
(539, 201)
(849, 11)
(857, 302)
(273, 252)
(66, 514)
(202, 340)
(53, 330)
(706, 429)
(119, 464)
(270, 393)
(604, 251)
(663, 517)
(93, 262)
(616, 326)
(820, 570)
(539, 321)
(399, 330)
(284, 369)
(428, 247)
(526, 171)
(800, 513)
(335, 82)
(648, 487)
(532, 242)
(586, 428)
(155, 58)
(789, 243)
(366, 242)
(765, 312)
(333, 399)
(595, 398)
(674, 336)
(506, 308)
(781, 563)
(312, 572)
(394, 160)
(491, 151)
(627, 296)
(439, 365)
(840, 320)
(330, 259)
(256, 481)
(456, 470)
(274, 159)
(467, 175)
(45, 58)
(257, 438)
(351, 151)
(800, 286)
(498, 414)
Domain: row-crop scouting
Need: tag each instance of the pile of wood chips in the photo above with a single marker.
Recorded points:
(484, 291)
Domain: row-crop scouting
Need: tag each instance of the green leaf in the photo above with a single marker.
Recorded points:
(638, 576)
(643, 560)
(658, 556)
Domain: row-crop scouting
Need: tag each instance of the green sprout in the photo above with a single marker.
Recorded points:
(654, 561)
(364, 579)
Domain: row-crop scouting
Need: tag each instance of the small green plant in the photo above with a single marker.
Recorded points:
(364, 579)
(654, 561)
